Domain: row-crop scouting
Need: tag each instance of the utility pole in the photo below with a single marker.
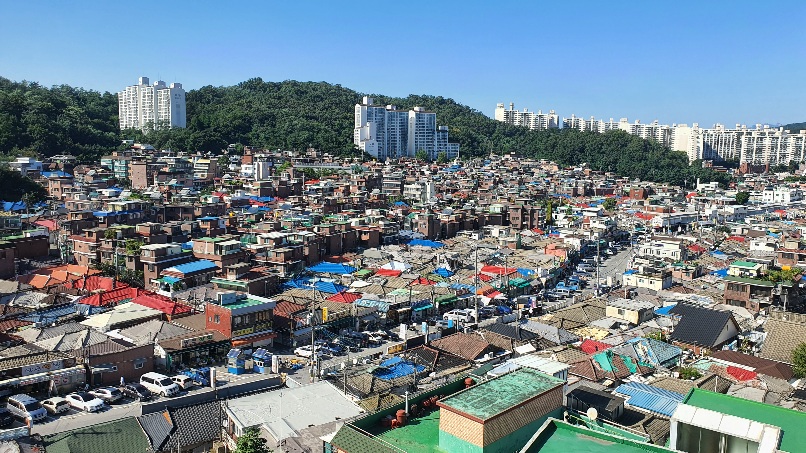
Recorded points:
(598, 283)
(476, 289)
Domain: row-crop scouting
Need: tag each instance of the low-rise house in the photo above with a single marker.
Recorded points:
(649, 278)
(784, 334)
(632, 311)
(702, 329)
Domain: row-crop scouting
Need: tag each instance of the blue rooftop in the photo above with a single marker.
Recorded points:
(193, 266)
(395, 368)
(426, 243)
(665, 311)
(650, 398)
(332, 268)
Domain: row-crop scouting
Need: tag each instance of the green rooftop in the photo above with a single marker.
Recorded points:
(243, 303)
(559, 437)
(209, 239)
(792, 423)
(745, 264)
(495, 396)
(420, 435)
(749, 281)
(120, 436)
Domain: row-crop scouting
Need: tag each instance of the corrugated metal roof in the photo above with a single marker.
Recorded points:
(193, 266)
(650, 398)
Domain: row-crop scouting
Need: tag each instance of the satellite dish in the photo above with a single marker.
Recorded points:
(592, 413)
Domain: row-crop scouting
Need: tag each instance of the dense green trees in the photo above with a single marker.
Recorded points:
(742, 197)
(58, 120)
(296, 115)
(799, 360)
(14, 186)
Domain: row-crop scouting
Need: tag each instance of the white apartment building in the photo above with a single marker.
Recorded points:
(144, 106)
(760, 145)
(591, 124)
(26, 165)
(386, 132)
(533, 120)
(779, 194)
(419, 191)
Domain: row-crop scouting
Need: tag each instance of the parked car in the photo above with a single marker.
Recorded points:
(159, 384)
(107, 394)
(465, 315)
(136, 391)
(6, 418)
(25, 406)
(56, 405)
(487, 312)
(84, 401)
(184, 382)
(307, 351)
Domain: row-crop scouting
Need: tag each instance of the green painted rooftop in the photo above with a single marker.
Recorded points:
(209, 239)
(419, 435)
(493, 397)
(744, 264)
(243, 303)
(561, 437)
(792, 423)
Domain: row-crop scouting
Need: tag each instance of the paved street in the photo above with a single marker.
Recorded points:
(126, 407)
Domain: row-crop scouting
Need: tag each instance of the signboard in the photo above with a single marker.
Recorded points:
(187, 342)
(242, 332)
(324, 314)
(395, 348)
(42, 367)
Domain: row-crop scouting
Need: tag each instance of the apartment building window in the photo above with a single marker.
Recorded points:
(621, 311)
(734, 287)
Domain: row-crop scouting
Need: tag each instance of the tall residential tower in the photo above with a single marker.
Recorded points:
(147, 107)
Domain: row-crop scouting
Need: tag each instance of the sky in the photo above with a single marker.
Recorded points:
(687, 62)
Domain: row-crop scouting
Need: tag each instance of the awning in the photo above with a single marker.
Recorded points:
(42, 377)
(253, 338)
(423, 307)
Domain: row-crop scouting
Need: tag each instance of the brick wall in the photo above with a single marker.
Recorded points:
(224, 324)
(461, 427)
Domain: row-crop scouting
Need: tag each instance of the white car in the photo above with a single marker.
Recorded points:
(56, 405)
(306, 351)
(83, 401)
(107, 394)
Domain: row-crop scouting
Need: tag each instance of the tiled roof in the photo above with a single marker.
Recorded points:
(761, 365)
(511, 332)
(195, 424)
(698, 325)
(551, 333)
(464, 345)
(158, 427)
(120, 436)
(782, 338)
(161, 303)
(152, 331)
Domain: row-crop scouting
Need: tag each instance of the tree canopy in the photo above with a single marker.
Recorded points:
(14, 186)
(251, 442)
(799, 360)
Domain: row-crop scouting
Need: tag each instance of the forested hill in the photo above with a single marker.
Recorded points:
(295, 115)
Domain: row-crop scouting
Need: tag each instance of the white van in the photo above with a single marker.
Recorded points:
(464, 315)
(26, 407)
(564, 292)
(159, 384)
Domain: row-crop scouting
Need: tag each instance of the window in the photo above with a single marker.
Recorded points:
(139, 363)
(621, 311)
(217, 319)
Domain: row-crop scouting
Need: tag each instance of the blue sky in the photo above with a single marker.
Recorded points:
(678, 62)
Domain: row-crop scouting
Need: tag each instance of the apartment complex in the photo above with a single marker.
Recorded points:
(533, 120)
(145, 106)
(386, 132)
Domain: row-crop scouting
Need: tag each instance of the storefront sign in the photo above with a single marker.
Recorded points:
(242, 332)
(42, 367)
(395, 348)
(187, 342)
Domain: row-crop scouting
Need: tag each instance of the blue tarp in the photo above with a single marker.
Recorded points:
(426, 243)
(721, 273)
(442, 272)
(13, 206)
(630, 271)
(526, 272)
(396, 367)
(664, 311)
(187, 245)
(650, 398)
(332, 268)
(262, 199)
(170, 280)
(401, 203)
(718, 253)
